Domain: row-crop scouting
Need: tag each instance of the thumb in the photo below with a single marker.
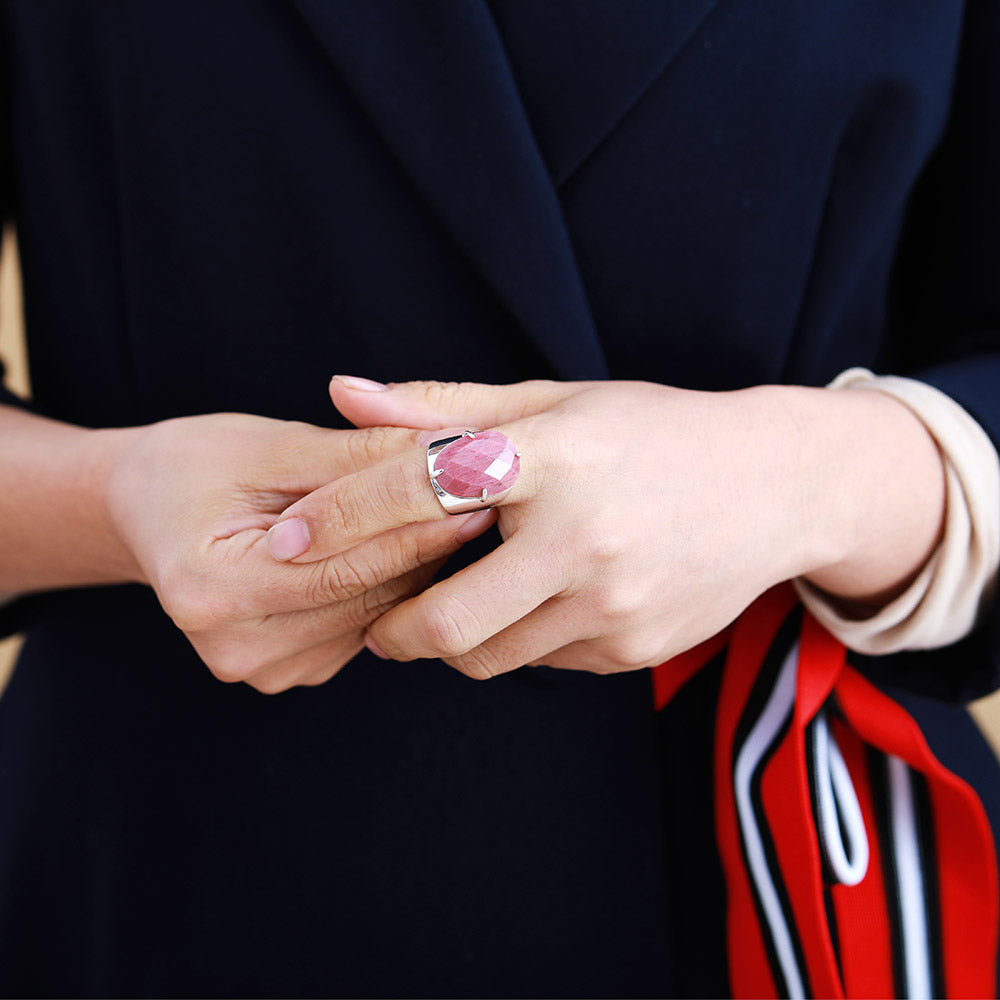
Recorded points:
(433, 405)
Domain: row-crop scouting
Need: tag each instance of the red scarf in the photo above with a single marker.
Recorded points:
(856, 865)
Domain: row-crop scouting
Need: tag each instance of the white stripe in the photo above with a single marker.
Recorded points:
(910, 879)
(838, 806)
(762, 735)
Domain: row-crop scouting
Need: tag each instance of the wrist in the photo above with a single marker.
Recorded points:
(791, 456)
(870, 484)
(114, 482)
(55, 527)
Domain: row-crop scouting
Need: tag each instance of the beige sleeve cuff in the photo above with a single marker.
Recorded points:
(958, 580)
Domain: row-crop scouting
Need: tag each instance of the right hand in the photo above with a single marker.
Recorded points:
(193, 499)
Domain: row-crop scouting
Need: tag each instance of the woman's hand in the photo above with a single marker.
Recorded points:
(645, 518)
(192, 500)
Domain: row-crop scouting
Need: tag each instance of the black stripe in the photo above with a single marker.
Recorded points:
(833, 712)
(763, 688)
(932, 885)
(878, 772)
(831, 923)
(811, 779)
(783, 641)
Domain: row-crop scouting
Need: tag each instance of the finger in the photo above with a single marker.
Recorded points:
(464, 611)
(354, 508)
(443, 404)
(305, 457)
(252, 650)
(309, 667)
(609, 654)
(549, 627)
(262, 588)
(281, 635)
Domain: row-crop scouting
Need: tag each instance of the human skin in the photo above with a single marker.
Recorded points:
(184, 506)
(645, 518)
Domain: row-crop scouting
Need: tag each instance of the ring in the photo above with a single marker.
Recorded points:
(472, 470)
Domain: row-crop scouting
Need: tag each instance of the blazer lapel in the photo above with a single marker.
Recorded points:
(434, 80)
(486, 141)
(581, 66)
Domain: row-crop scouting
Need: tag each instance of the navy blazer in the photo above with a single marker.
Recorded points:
(221, 204)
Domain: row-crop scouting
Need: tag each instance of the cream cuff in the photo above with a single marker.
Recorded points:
(958, 581)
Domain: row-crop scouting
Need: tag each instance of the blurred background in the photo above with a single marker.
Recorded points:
(986, 712)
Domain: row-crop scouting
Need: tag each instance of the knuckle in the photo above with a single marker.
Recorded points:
(349, 509)
(376, 602)
(432, 541)
(413, 482)
(434, 394)
(348, 647)
(334, 661)
(369, 445)
(200, 595)
(297, 439)
(174, 588)
(404, 551)
(366, 608)
(531, 391)
(317, 680)
(633, 652)
(235, 654)
(268, 685)
(600, 546)
(447, 628)
(480, 664)
(230, 666)
(193, 606)
(617, 603)
(339, 579)
(339, 516)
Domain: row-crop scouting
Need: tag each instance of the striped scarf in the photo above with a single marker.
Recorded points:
(856, 864)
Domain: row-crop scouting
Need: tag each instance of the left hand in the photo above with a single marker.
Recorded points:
(644, 520)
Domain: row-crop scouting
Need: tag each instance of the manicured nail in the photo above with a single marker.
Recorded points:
(474, 525)
(288, 539)
(376, 648)
(364, 384)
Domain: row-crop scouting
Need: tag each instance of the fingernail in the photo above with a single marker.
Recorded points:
(474, 525)
(376, 648)
(364, 384)
(288, 539)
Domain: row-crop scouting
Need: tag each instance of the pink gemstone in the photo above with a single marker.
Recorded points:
(473, 464)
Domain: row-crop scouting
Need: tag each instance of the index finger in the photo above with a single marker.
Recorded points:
(399, 491)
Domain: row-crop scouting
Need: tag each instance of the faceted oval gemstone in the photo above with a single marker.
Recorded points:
(470, 465)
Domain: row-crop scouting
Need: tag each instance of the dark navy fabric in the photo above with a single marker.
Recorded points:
(405, 831)
(219, 205)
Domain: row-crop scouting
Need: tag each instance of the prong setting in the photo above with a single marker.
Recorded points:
(481, 474)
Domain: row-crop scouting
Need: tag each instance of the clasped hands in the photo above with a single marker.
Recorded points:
(645, 519)
(609, 539)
